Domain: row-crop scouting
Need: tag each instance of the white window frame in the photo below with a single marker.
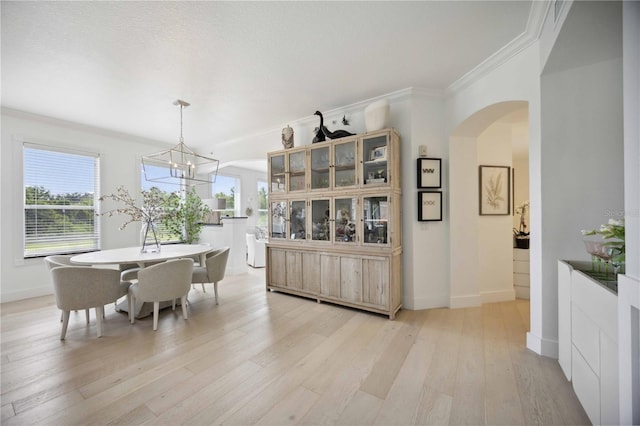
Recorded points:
(96, 236)
(236, 194)
(264, 211)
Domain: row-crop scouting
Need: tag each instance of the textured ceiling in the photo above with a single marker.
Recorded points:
(244, 66)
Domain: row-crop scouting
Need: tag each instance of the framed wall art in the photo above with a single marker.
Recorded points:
(429, 175)
(494, 190)
(429, 206)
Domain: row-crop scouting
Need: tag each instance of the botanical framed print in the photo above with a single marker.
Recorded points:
(494, 190)
(429, 175)
(429, 206)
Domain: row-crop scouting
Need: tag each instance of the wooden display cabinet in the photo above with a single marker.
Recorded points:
(338, 239)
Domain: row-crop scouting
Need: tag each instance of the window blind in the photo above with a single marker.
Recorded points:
(61, 188)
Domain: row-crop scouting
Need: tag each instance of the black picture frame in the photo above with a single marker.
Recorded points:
(494, 190)
(429, 206)
(429, 172)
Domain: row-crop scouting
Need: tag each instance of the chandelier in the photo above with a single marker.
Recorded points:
(179, 165)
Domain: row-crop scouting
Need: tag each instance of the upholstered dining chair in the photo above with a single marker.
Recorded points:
(213, 269)
(84, 287)
(168, 280)
(129, 271)
(61, 260)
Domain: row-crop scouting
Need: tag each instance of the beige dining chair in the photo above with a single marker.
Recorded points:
(168, 280)
(84, 287)
(62, 260)
(213, 270)
(129, 271)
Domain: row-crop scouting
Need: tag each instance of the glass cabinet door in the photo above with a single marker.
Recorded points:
(376, 215)
(320, 167)
(345, 220)
(320, 220)
(297, 220)
(278, 228)
(277, 177)
(296, 171)
(344, 164)
(374, 160)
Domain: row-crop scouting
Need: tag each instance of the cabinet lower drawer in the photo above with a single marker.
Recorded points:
(363, 281)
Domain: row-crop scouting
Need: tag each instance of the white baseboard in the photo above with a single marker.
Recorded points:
(465, 301)
(523, 292)
(544, 347)
(26, 294)
(425, 303)
(498, 296)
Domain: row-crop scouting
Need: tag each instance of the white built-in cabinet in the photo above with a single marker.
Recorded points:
(588, 340)
(521, 277)
(335, 222)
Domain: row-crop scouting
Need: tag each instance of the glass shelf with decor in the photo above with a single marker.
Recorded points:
(320, 170)
(344, 164)
(375, 168)
(297, 176)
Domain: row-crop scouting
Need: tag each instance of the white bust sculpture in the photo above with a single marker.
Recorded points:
(287, 137)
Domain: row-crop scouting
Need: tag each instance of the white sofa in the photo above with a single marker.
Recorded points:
(255, 251)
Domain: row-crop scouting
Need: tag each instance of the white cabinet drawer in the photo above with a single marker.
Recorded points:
(586, 386)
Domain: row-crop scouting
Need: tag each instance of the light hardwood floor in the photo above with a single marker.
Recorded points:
(268, 358)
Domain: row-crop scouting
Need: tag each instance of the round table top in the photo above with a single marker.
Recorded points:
(133, 255)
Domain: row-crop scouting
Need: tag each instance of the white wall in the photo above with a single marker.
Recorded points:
(629, 284)
(469, 110)
(426, 244)
(248, 190)
(582, 146)
(119, 165)
(495, 236)
(463, 188)
(418, 116)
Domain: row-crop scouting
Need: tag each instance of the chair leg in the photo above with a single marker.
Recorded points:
(132, 315)
(61, 315)
(156, 308)
(86, 312)
(215, 290)
(203, 290)
(99, 314)
(65, 323)
(184, 307)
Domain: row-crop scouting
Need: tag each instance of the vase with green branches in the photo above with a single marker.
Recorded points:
(149, 213)
(186, 216)
(613, 249)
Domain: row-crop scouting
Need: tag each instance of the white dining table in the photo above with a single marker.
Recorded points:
(128, 255)
(132, 255)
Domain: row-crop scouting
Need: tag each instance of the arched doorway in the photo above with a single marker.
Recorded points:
(481, 247)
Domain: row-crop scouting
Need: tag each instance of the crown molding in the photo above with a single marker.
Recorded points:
(537, 15)
(72, 125)
(396, 96)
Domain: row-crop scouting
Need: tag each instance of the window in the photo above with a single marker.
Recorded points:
(61, 189)
(227, 188)
(167, 187)
(263, 209)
